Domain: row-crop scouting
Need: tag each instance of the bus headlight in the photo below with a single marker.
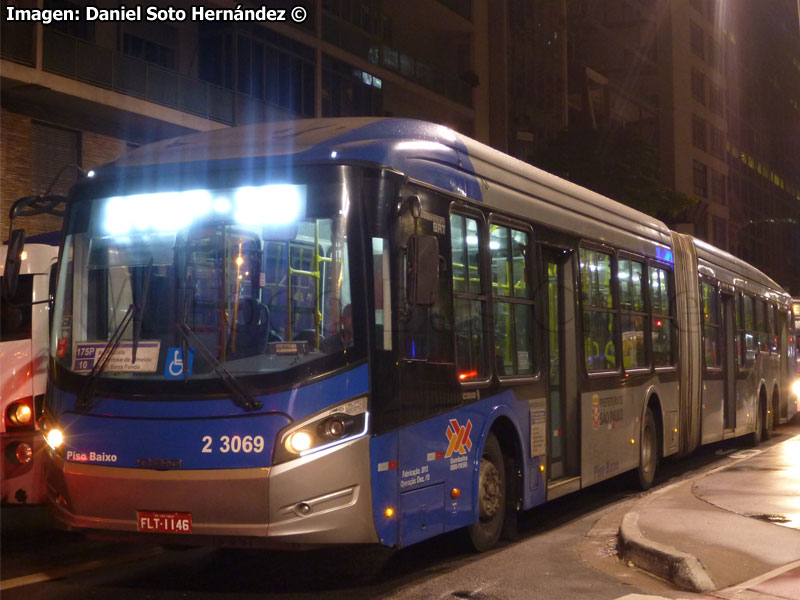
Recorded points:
(299, 441)
(54, 438)
(796, 387)
(330, 427)
(52, 434)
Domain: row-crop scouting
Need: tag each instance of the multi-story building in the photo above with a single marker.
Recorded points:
(536, 63)
(762, 70)
(719, 81)
(82, 91)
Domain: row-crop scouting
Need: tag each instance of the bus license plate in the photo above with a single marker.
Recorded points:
(164, 522)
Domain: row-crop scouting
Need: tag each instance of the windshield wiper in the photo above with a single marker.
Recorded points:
(86, 395)
(240, 397)
(138, 313)
(134, 313)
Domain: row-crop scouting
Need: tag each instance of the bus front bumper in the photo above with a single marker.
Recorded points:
(320, 499)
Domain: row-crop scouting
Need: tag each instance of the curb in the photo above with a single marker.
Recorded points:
(681, 568)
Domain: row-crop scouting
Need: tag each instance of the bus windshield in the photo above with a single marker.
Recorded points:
(253, 278)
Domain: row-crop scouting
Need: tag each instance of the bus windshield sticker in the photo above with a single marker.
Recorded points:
(174, 365)
(86, 354)
(538, 410)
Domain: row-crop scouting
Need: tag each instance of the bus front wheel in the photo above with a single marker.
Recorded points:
(492, 490)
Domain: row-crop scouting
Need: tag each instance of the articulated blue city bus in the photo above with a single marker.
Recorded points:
(355, 331)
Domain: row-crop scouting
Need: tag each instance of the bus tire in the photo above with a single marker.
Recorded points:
(491, 500)
(648, 452)
(754, 437)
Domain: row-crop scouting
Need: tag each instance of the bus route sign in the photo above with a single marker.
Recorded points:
(86, 354)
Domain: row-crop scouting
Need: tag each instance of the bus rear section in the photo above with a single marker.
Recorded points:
(24, 324)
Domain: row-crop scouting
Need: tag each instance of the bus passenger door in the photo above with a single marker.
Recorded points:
(562, 394)
(729, 350)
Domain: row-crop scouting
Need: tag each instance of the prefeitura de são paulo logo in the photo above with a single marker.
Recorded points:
(458, 436)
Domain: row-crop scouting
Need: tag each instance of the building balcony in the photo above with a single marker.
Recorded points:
(83, 61)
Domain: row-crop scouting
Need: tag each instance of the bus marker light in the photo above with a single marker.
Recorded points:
(541, 468)
(455, 493)
(389, 512)
(23, 453)
(633, 441)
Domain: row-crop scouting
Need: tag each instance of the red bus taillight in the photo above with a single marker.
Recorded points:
(19, 414)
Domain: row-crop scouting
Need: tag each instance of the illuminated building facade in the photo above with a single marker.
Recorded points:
(82, 92)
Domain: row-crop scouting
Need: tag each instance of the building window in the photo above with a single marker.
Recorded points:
(717, 187)
(349, 92)
(697, 39)
(698, 86)
(700, 179)
(720, 232)
(52, 149)
(715, 98)
(714, 54)
(150, 51)
(699, 132)
(259, 63)
(80, 28)
(716, 142)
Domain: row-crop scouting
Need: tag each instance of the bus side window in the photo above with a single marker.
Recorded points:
(469, 298)
(599, 323)
(661, 307)
(750, 334)
(774, 321)
(634, 316)
(512, 300)
(711, 325)
(761, 325)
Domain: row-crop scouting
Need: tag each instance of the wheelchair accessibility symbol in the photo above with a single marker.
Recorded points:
(173, 369)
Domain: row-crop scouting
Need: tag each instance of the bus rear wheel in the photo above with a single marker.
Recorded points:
(492, 490)
(754, 437)
(648, 453)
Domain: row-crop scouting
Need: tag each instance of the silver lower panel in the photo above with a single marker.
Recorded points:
(323, 498)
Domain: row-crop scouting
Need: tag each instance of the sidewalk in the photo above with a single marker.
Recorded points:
(739, 523)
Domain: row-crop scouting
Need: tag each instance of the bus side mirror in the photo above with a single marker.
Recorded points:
(422, 279)
(16, 241)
